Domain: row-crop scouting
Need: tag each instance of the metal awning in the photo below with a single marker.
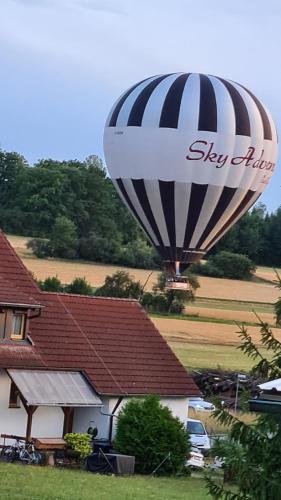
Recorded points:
(273, 384)
(54, 388)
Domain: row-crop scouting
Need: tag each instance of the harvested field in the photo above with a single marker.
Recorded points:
(179, 331)
(95, 273)
(267, 273)
(218, 288)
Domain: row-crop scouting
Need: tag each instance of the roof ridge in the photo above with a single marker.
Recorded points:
(18, 259)
(65, 294)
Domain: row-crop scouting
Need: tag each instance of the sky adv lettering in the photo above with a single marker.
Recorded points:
(204, 150)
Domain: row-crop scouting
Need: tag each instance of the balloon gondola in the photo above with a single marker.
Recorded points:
(189, 154)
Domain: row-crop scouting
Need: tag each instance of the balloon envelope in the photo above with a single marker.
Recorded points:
(189, 154)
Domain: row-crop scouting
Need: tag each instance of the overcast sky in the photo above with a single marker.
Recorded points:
(64, 62)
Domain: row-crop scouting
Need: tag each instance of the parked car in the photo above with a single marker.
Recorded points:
(199, 404)
(198, 435)
(196, 458)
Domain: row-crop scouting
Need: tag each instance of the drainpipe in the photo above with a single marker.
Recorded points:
(111, 415)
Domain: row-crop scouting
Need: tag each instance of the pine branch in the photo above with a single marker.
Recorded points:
(278, 280)
(247, 346)
(267, 337)
(218, 492)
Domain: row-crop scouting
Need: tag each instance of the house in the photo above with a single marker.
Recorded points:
(68, 362)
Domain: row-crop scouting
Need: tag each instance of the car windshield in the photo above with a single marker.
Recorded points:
(195, 428)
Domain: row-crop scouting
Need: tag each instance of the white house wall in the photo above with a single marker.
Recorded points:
(92, 417)
(12, 420)
(86, 417)
(46, 422)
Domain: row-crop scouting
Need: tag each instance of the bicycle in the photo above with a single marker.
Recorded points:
(21, 450)
(11, 452)
(29, 455)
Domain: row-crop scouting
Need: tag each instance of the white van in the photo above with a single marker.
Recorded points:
(198, 435)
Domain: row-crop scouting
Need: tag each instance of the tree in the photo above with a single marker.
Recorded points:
(173, 301)
(51, 284)
(227, 265)
(63, 238)
(79, 286)
(41, 247)
(120, 284)
(251, 453)
(150, 432)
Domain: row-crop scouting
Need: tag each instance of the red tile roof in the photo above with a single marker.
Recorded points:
(20, 356)
(111, 340)
(11, 294)
(13, 270)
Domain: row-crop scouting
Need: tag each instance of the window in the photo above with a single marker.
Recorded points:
(14, 400)
(18, 326)
(195, 428)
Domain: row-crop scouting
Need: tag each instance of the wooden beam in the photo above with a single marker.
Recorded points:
(30, 410)
(68, 419)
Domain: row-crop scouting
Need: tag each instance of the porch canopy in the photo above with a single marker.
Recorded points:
(54, 388)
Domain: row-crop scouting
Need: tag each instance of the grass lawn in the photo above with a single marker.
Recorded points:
(41, 483)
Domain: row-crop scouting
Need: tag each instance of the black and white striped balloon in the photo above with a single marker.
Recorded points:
(189, 154)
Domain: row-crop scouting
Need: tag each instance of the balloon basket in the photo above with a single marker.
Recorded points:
(177, 283)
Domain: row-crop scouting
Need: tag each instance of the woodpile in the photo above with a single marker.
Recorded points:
(219, 385)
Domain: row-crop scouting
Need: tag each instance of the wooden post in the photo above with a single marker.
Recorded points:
(68, 419)
(30, 410)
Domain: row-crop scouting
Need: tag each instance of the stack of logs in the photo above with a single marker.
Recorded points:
(222, 385)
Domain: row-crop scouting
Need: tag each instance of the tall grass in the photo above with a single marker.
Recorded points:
(214, 427)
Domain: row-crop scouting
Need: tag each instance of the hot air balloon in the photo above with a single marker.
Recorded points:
(189, 154)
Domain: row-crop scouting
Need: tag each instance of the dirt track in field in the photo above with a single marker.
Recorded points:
(183, 331)
(96, 273)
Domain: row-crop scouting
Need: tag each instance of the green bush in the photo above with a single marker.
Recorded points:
(100, 249)
(227, 265)
(150, 432)
(79, 443)
(120, 284)
(154, 302)
(139, 254)
(79, 286)
(51, 284)
(177, 307)
(41, 247)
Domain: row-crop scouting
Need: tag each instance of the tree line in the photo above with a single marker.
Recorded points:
(73, 211)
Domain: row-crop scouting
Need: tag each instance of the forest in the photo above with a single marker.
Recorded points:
(72, 210)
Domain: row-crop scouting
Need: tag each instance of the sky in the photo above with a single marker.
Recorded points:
(64, 62)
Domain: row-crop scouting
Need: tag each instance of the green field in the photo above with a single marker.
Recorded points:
(212, 356)
(234, 305)
(40, 483)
